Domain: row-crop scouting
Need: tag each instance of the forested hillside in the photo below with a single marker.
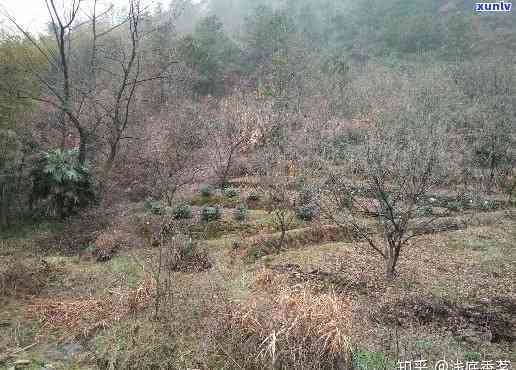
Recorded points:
(258, 184)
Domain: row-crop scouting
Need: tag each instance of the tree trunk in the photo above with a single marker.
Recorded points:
(61, 214)
(392, 255)
(82, 146)
(110, 160)
(108, 167)
(390, 269)
(3, 206)
(282, 239)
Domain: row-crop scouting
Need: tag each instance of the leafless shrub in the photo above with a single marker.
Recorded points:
(177, 253)
(18, 276)
(109, 242)
(281, 205)
(148, 345)
(174, 156)
(184, 254)
(231, 132)
(78, 231)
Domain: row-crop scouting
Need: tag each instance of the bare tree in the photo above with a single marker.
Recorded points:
(401, 166)
(274, 156)
(61, 94)
(127, 67)
(176, 160)
(76, 93)
(493, 151)
(280, 204)
(231, 131)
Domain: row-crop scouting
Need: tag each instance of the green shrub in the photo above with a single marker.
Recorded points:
(182, 211)
(472, 357)
(307, 212)
(207, 190)
(241, 213)
(154, 206)
(300, 183)
(231, 192)
(61, 185)
(211, 214)
(253, 196)
(254, 254)
(488, 205)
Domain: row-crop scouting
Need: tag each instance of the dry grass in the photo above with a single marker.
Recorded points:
(110, 241)
(81, 317)
(295, 329)
(27, 276)
(137, 345)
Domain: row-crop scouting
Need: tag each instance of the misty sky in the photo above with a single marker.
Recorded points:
(33, 15)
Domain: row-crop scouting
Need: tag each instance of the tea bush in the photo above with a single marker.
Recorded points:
(154, 206)
(307, 212)
(231, 192)
(182, 211)
(206, 190)
(241, 213)
(211, 214)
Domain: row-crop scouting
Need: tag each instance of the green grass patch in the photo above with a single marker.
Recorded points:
(219, 228)
(215, 200)
(128, 268)
(477, 245)
(363, 360)
(25, 230)
(472, 357)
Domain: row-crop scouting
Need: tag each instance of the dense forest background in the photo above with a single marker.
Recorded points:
(314, 60)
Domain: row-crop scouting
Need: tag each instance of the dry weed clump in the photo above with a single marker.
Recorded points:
(265, 279)
(109, 242)
(297, 329)
(22, 276)
(139, 345)
(184, 254)
(78, 230)
(75, 317)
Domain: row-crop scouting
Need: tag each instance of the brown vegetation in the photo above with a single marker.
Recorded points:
(296, 328)
(23, 276)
